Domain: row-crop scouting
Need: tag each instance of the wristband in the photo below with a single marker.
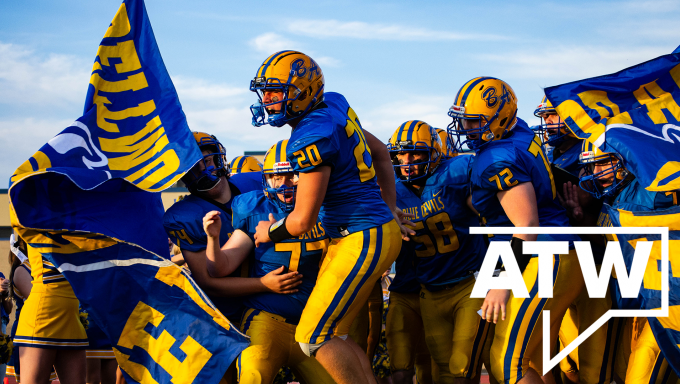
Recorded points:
(522, 259)
(278, 231)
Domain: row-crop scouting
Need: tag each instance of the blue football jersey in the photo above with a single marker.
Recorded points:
(568, 160)
(405, 280)
(331, 135)
(635, 198)
(446, 251)
(183, 223)
(515, 159)
(301, 254)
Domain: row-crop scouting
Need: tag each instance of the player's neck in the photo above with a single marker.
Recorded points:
(567, 144)
(221, 193)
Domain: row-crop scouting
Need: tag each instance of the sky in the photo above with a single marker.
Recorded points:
(394, 61)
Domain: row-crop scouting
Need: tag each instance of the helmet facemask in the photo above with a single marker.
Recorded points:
(275, 188)
(609, 180)
(208, 171)
(426, 167)
(479, 128)
(551, 133)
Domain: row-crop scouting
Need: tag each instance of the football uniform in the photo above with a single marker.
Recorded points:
(49, 317)
(271, 318)
(499, 166)
(593, 359)
(365, 239)
(447, 258)
(183, 222)
(639, 359)
(404, 331)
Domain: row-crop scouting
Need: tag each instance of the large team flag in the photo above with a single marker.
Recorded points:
(88, 202)
(635, 113)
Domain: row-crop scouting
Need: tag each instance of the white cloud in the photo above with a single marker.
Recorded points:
(376, 31)
(271, 42)
(382, 120)
(27, 78)
(198, 91)
(555, 65)
(20, 138)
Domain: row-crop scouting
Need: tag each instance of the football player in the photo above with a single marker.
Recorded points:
(448, 256)
(592, 361)
(340, 167)
(448, 149)
(404, 330)
(211, 188)
(512, 185)
(606, 176)
(270, 318)
(243, 164)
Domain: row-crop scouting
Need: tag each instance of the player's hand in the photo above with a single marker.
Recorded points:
(262, 231)
(402, 219)
(279, 282)
(212, 224)
(4, 285)
(570, 201)
(494, 304)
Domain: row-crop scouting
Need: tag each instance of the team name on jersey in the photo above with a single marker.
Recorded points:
(432, 206)
(413, 211)
(314, 233)
(604, 220)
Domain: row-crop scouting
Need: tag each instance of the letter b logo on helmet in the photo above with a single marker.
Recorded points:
(490, 97)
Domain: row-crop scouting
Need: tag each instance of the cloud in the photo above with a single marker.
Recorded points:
(272, 42)
(20, 138)
(382, 120)
(198, 91)
(559, 64)
(376, 31)
(28, 78)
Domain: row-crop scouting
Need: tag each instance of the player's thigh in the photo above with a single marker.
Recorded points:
(403, 330)
(437, 310)
(469, 333)
(307, 369)
(596, 354)
(352, 266)
(270, 343)
(518, 337)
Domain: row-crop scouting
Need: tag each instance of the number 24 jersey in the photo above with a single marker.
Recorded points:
(331, 135)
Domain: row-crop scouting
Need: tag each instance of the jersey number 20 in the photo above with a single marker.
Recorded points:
(353, 127)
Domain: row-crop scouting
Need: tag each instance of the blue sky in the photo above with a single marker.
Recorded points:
(394, 61)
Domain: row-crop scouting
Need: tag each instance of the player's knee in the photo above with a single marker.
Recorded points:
(458, 364)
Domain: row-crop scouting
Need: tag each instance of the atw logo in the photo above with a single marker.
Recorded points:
(595, 284)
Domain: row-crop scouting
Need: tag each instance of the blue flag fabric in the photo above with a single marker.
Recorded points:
(87, 201)
(666, 329)
(634, 112)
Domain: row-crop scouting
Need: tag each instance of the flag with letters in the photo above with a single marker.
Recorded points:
(666, 329)
(88, 202)
(635, 112)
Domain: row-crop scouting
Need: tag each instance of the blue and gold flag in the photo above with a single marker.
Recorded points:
(634, 112)
(666, 329)
(87, 202)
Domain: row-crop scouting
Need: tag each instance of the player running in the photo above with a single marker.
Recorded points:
(340, 167)
(512, 185)
(448, 256)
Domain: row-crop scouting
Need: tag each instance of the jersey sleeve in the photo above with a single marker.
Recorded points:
(239, 218)
(310, 152)
(186, 232)
(504, 174)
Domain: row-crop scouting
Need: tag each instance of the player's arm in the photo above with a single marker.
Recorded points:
(274, 281)
(519, 204)
(222, 262)
(384, 172)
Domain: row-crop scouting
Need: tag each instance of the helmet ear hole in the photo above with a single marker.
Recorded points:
(503, 121)
(302, 96)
